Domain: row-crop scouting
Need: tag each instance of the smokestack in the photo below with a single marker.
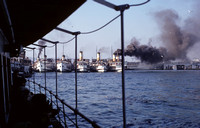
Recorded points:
(98, 56)
(81, 56)
(63, 57)
(114, 57)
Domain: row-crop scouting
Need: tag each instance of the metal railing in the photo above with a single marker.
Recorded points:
(60, 105)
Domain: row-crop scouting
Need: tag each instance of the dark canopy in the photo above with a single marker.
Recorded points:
(32, 19)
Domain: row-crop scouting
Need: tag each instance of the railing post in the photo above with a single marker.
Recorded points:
(29, 84)
(45, 74)
(76, 97)
(33, 64)
(123, 75)
(40, 88)
(64, 114)
(34, 87)
(51, 99)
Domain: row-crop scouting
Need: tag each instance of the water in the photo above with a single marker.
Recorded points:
(153, 98)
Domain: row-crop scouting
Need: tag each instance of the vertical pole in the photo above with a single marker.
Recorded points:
(123, 76)
(64, 114)
(51, 99)
(56, 69)
(33, 65)
(45, 74)
(29, 85)
(76, 78)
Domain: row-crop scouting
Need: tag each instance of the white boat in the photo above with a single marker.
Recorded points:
(102, 68)
(64, 66)
(118, 67)
(40, 65)
(115, 66)
(82, 66)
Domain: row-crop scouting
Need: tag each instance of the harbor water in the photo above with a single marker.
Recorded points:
(163, 99)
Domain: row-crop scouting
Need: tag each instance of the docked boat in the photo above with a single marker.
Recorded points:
(64, 65)
(102, 68)
(82, 66)
(115, 65)
(98, 65)
(22, 65)
(46, 64)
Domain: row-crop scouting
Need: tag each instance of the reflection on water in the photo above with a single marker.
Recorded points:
(153, 98)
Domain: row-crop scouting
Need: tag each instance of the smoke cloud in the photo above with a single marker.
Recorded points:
(104, 50)
(177, 40)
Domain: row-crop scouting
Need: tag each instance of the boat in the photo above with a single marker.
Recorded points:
(82, 66)
(98, 65)
(64, 65)
(115, 65)
(41, 63)
(102, 67)
(23, 65)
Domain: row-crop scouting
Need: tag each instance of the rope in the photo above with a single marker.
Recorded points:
(101, 26)
(67, 41)
(140, 3)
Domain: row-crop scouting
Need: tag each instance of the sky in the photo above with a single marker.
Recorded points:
(139, 22)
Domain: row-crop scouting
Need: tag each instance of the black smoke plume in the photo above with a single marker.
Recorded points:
(40, 42)
(118, 52)
(146, 53)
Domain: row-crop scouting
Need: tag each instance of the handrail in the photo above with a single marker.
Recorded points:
(93, 123)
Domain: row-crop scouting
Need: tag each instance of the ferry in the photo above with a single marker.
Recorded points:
(23, 23)
(63, 65)
(82, 64)
(46, 64)
(102, 67)
(98, 65)
(115, 65)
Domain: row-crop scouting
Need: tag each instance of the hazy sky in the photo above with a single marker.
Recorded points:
(139, 22)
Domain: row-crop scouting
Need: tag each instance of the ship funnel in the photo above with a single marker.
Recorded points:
(81, 56)
(98, 56)
(63, 57)
(114, 58)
